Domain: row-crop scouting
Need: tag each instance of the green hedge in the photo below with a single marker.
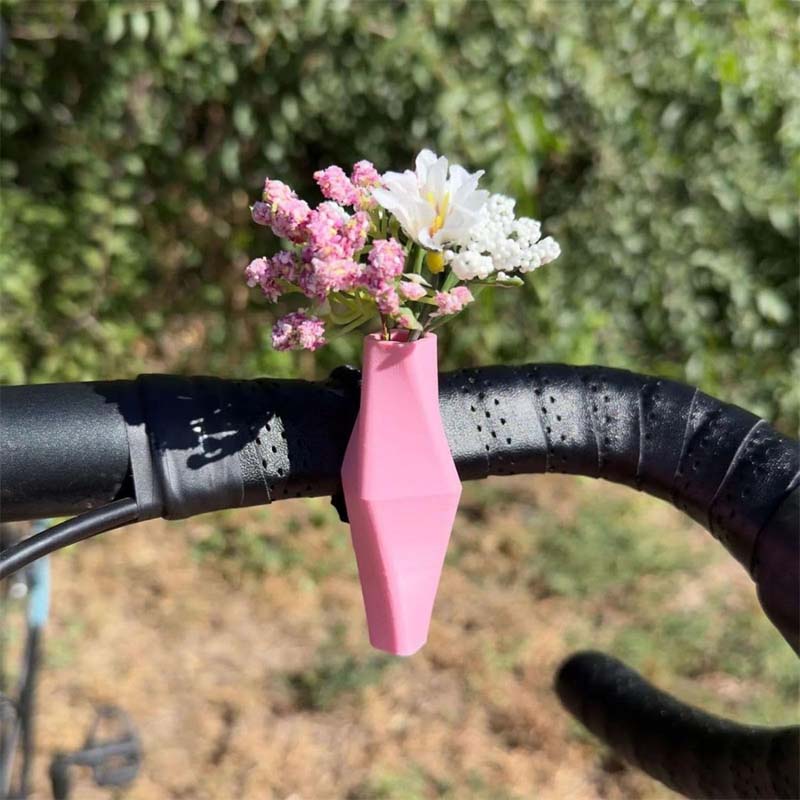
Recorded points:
(657, 139)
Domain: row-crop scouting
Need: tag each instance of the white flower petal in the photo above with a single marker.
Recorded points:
(460, 178)
(460, 222)
(424, 161)
(393, 204)
(384, 197)
(426, 240)
(475, 201)
(435, 182)
(403, 184)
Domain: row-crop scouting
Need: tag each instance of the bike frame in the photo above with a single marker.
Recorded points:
(17, 737)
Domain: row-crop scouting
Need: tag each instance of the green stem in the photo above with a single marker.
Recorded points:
(476, 294)
(497, 284)
(439, 322)
(426, 311)
(418, 258)
(450, 281)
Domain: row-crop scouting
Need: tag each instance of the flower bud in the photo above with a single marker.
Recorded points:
(435, 262)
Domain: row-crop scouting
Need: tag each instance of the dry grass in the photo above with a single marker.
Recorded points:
(237, 643)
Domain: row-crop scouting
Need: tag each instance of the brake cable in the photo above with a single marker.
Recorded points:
(99, 520)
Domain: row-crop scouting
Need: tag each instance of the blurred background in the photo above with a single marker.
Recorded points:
(657, 140)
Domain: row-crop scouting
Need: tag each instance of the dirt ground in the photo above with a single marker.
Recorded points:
(247, 670)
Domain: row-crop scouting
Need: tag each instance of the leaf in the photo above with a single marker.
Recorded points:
(115, 29)
(162, 22)
(191, 8)
(772, 306)
(140, 25)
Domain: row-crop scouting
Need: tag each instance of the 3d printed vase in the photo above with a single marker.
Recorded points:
(401, 489)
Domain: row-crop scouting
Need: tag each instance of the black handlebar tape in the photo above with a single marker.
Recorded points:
(694, 753)
(63, 448)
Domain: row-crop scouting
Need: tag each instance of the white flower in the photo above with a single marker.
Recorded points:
(528, 231)
(501, 242)
(546, 250)
(438, 204)
(468, 265)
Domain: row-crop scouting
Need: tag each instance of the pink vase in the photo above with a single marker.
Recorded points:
(401, 489)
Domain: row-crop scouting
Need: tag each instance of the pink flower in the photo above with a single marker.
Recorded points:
(323, 226)
(261, 213)
(282, 210)
(384, 264)
(355, 231)
(385, 261)
(462, 294)
(266, 273)
(453, 301)
(334, 238)
(298, 331)
(332, 233)
(411, 291)
(333, 275)
(387, 300)
(365, 178)
(335, 185)
(284, 265)
(255, 271)
(365, 175)
(404, 321)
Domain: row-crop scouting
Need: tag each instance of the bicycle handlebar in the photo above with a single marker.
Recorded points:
(184, 446)
(692, 752)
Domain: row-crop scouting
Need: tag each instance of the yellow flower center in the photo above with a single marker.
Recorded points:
(441, 211)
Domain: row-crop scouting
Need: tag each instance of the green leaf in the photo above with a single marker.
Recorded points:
(115, 28)
(772, 306)
(140, 25)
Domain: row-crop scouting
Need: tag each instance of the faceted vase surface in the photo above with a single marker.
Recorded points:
(401, 489)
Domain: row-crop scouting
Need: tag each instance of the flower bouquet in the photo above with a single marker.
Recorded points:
(413, 250)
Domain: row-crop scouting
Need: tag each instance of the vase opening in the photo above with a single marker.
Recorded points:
(399, 337)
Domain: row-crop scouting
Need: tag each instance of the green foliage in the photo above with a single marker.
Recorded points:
(657, 139)
(336, 674)
(742, 648)
(244, 551)
(274, 546)
(602, 551)
(318, 688)
(416, 783)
